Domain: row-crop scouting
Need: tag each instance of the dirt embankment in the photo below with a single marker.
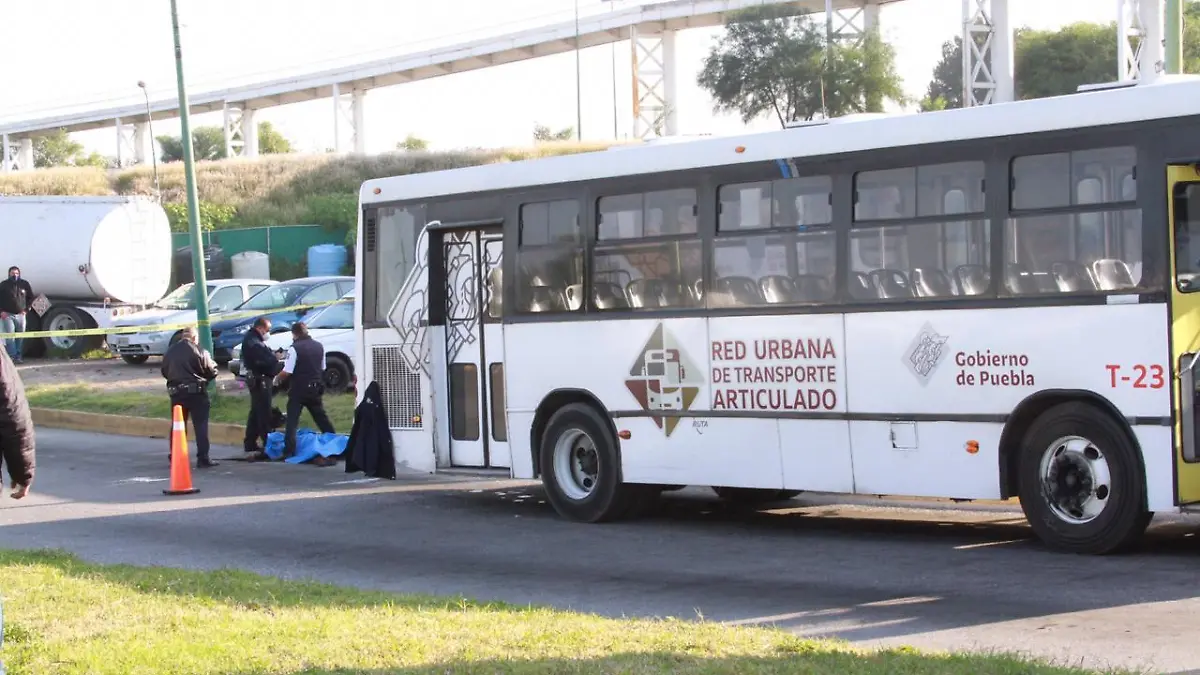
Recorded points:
(110, 374)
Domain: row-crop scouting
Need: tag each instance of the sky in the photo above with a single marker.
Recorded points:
(101, 52)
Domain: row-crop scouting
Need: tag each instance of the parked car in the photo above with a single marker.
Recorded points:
(178, 306)
(228, 333)
(333, 327)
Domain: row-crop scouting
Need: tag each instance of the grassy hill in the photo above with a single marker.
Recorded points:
(268, 190)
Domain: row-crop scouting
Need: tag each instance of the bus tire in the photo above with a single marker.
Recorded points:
(580, 467)
(1081, 485)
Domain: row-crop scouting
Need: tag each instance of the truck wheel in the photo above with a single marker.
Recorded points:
(69, 318)
(754, 496)
(337, 373)
(580, 465)
(1081, 485)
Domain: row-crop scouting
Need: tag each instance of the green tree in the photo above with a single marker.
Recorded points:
(412, 143)
(1053, 63)
(270, 141)
(946, 88)
(208, 143)
(769, 63)
(542, 133)
(59, 149)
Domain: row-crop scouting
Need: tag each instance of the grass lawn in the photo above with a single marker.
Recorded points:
(64, 616)
(227, 407)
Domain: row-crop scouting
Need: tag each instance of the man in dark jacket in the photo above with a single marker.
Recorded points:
(260, 366)
(305, 367)
(17, 447)
(188, 369)
(16, 298)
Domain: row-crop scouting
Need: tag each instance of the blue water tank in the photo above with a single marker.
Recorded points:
(326, 260)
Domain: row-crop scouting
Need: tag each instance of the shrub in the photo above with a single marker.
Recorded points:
(212, 216)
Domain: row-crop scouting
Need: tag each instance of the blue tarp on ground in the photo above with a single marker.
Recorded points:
(309, 444)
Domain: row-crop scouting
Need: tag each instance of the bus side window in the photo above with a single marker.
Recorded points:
(774, 245)
(1187, 237)
(1087, 243)
(922, 258)
(647, 255)
(549, 270)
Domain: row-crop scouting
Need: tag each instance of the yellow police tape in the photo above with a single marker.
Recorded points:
(158, 328)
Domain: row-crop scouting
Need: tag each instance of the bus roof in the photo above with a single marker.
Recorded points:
(1169, 96)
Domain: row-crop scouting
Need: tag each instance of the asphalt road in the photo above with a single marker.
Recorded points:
(935, 578)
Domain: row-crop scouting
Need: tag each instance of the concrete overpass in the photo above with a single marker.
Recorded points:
(650, 28)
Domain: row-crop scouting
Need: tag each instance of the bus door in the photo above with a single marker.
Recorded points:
(1183, 196)
(478, 428)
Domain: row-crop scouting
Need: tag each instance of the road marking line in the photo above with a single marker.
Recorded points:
(988, 543)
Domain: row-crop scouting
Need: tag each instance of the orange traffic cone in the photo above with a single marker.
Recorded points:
(181, 468)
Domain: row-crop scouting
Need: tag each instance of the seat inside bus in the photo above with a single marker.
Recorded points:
(1069, 276)
(1063, 276)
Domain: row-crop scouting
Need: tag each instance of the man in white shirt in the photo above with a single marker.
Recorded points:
(304, 365)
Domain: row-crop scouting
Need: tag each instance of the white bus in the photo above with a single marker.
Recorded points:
(975, 304)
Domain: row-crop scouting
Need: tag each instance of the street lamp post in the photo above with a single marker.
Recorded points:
(613, 57)
(189, 170)
(153, 152)
(578, 82)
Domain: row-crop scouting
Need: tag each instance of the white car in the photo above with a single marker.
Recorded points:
(178, 307)
(333, 327)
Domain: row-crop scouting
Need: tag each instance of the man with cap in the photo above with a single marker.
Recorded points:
(261, 366)
(188, 369)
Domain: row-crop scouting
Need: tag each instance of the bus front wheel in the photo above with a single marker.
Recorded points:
(1081, 485)
(580, 467)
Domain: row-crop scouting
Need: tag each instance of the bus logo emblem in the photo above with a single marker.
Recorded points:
(664, 378)
(925, 353)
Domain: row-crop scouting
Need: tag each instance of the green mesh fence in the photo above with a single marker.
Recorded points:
(286, 245)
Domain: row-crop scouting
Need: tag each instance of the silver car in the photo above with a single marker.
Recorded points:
(178, 307)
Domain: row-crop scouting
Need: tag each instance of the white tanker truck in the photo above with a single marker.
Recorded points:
(89, 260)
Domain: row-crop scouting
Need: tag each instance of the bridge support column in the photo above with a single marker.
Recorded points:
(141, 142)
(348, 110)
(25, 155)
(16, 154)
(1141, 54)
(851, 23)
(249, 133)
(987, 53)
(235, 142)
(654, 83)
(870, 17)
(130, 148)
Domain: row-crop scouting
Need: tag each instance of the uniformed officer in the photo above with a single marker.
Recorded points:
(260, 365)
(305, 367)
(188, 369)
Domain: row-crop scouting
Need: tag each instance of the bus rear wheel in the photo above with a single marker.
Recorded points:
(1081, 485)
(580, 467)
